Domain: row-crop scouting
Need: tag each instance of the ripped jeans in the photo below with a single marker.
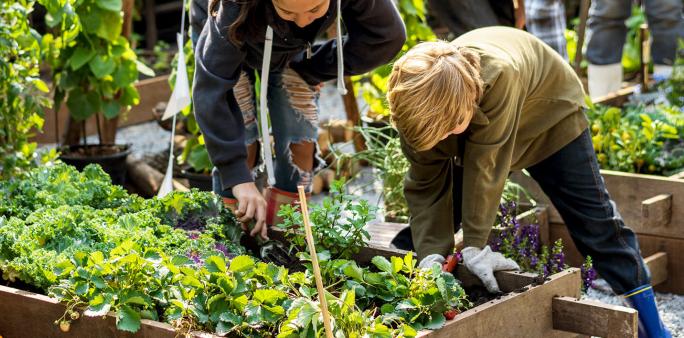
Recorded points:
(293, 109)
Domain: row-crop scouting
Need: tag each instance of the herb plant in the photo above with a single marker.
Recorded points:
(337, 223)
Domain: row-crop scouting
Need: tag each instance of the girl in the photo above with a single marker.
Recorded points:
(277, 37)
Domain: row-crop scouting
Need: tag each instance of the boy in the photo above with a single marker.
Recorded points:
(494, 100)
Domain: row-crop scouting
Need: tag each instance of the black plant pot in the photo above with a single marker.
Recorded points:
(111, 157)
(197, 180)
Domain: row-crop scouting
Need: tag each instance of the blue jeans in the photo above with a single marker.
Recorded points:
(572, 181)
(293, 109)
(607, 30)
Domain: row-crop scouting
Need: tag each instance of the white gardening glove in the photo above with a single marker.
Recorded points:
(483, 262)
(431, 260)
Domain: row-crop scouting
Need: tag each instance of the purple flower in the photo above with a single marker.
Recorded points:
(221, 248)
(195, 257)
(193, 235)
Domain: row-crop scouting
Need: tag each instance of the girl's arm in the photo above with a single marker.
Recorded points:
(376, 34)
(217, 69)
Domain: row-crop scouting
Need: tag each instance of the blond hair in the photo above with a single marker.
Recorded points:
(433, 88)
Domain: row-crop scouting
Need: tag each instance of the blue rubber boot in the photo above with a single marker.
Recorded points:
(642, 299)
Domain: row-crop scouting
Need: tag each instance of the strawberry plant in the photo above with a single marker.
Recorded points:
(337, 223)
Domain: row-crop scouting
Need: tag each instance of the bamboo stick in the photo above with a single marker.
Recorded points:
(314, 262)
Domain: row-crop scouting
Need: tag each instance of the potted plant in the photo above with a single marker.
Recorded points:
(94, 70)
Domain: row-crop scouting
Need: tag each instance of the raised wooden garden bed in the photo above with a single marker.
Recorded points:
(530, 307)
(538, 310)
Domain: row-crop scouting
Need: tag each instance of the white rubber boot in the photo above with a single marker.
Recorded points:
(662, 72)
(604, 79)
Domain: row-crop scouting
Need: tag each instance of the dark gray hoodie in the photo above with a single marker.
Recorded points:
(375, 34)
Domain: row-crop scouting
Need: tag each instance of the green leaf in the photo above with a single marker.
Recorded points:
(111, 109)
(241, 263)
(110, 26)
(81, 288)
(354, 271)
(129, 96)
(269, 296)
(80, 57)
(199, 159)
(40, 85)
(227, 286)
(397, 264)
(436, 322)
(97, 310)
(125, 74)
(101, 66)
(83, 105)
(223, 328)
(215, 264)
(143, 69)
(382, 263)
(127, 319)
(110, 5)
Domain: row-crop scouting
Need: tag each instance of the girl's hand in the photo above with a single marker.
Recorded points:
(251, 206)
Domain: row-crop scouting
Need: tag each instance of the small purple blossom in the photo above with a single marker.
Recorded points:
(193, 235)
(195, 257)
(589, 274)
(221, 248)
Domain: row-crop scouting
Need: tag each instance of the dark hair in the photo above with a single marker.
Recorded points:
(245, 22)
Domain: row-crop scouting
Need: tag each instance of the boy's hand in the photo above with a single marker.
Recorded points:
(251, 206)
(431, 260)
(484, 262)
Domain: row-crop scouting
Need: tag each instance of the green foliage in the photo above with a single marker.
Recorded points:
(93, 66)
(373, 85)
(638, 138)
(383, 152)
(337, 223)
(56, 212)
(21, 90)
(674, 86)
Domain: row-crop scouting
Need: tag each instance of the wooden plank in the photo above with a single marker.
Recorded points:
(656, 211)
(649, 245)
(527, 314)
(657, 265)
(616, 99)
(629, 190)
(594, 318)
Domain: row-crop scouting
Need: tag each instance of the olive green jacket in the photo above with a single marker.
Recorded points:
(530, 109)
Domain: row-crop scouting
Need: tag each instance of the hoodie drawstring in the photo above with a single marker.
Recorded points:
(263, 105)
(340, 58)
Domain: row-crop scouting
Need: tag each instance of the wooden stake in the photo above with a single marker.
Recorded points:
(314, 262)
(584, 14)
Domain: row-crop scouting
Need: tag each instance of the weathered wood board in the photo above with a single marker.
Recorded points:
(652, 205)
(649, 245)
